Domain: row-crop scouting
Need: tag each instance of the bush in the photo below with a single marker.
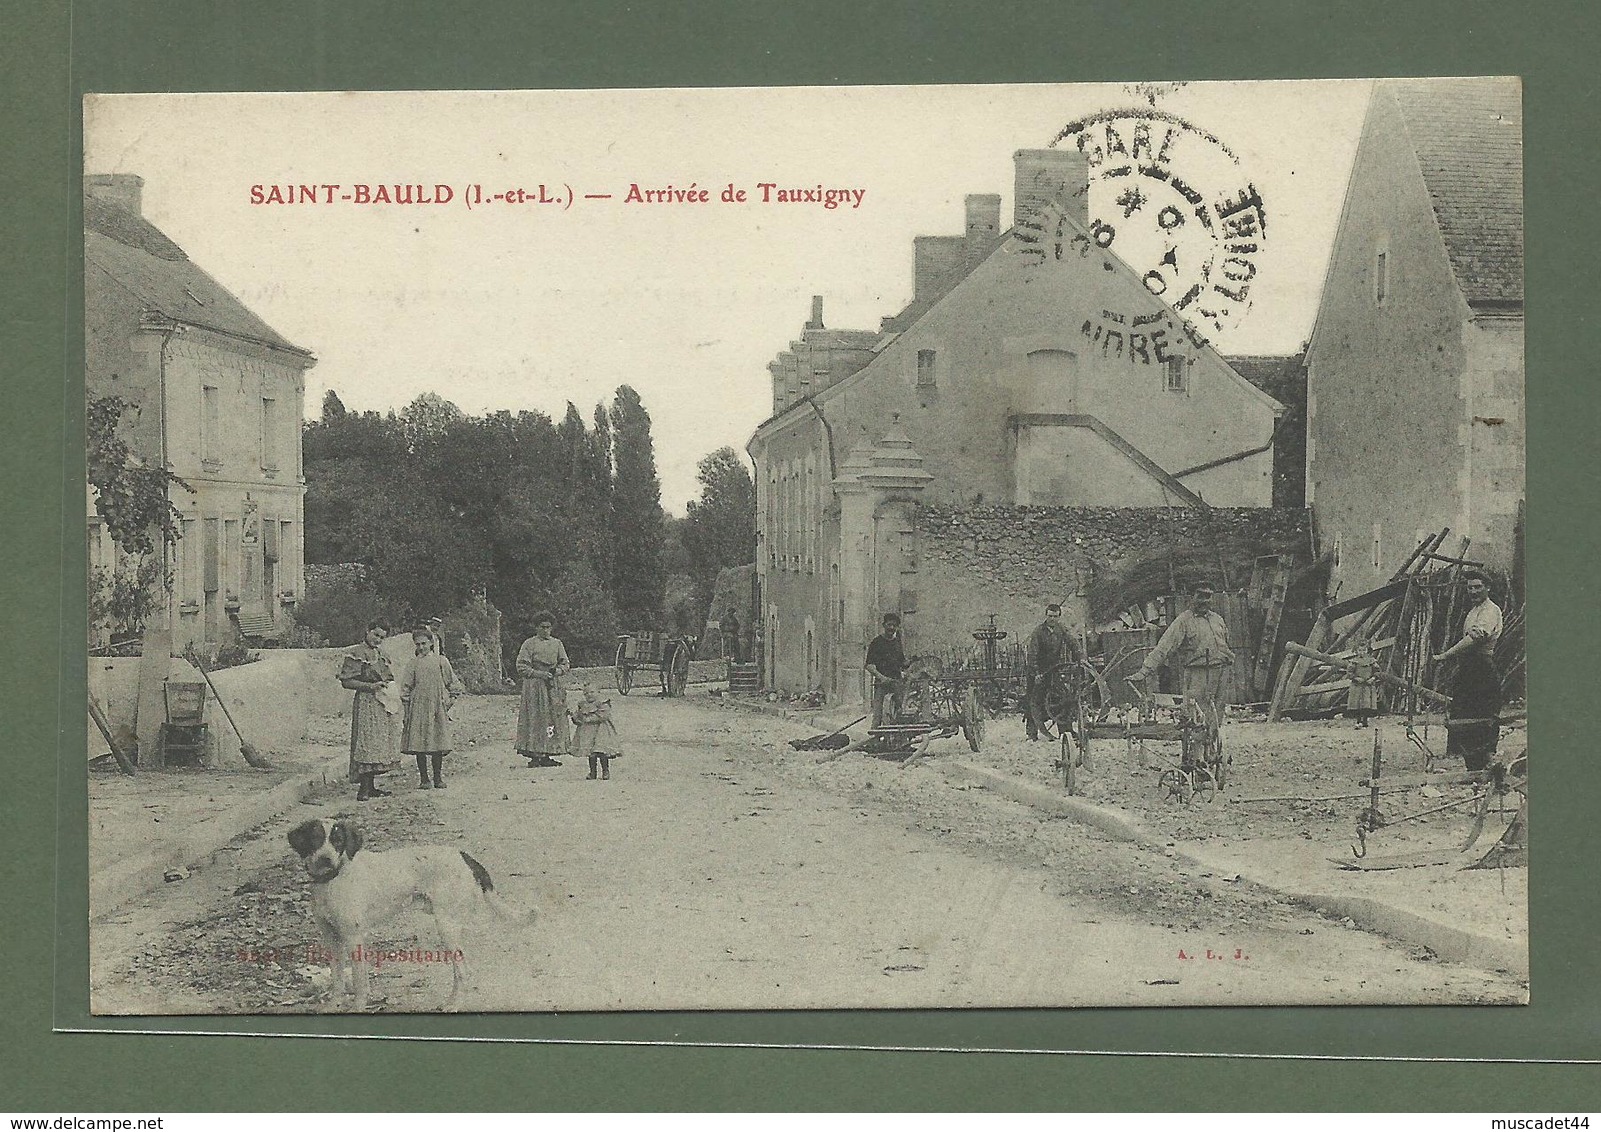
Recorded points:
(478, 666)
(231, 655)
(339, 603)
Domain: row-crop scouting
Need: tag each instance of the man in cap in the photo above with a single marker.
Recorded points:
(1051, 651)
(1198, 641)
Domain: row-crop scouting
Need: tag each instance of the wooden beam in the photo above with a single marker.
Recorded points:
(1365, 601)
(1382, 677)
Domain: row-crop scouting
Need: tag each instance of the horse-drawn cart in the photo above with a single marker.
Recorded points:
(664, 654)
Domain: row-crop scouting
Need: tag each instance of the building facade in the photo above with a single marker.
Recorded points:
(217, 398)
(1032, 368)
(1415, 367)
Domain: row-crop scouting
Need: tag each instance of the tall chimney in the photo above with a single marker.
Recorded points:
(1047, 175)
(125, 190)
(817, 314)
(983, 217)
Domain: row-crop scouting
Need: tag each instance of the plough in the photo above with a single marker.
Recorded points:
(1494, 784)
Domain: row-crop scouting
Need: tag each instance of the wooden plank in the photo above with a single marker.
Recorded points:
(1344, 609)
(1428, 546)
(1268, 643)
(1308, 654)
(1331, 686)
(1291, 671)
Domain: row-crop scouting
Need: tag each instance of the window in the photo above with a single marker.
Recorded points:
(1381, 277)
(269, 434)
(925, 369)
(210, 425)
(1178, 375)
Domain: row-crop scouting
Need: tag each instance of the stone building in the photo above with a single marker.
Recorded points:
(1415, 367)
(217, 398)
(1032, 369)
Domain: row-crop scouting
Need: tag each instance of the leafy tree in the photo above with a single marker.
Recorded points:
(720, 527)
(332, 407)
(435, 503)
(427, 418)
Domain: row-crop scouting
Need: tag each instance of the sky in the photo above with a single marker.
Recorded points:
(529, 305)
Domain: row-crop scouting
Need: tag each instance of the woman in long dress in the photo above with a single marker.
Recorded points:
(367, 672)
(427, 690)
(542, 723)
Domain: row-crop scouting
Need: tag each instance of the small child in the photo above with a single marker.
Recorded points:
(1362, 700)
(428, 690)
(594, 733)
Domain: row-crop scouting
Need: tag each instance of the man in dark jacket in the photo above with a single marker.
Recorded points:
(886, 665)
(1052, 650)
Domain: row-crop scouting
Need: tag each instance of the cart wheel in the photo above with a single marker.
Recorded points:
(1069, 771)
(675, 671)
(1083, 736)
(1058, 711)
(1177, 785)
(625, 678)
(1217, 762)
(1203, 783)
(973, 721)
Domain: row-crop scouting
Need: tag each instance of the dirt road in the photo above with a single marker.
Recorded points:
(719, 869)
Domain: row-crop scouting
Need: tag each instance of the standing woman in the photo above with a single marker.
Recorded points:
(542, 724)
(366, 671)
(1473, 723)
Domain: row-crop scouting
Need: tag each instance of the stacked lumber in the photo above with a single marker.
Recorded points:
(1403, 622)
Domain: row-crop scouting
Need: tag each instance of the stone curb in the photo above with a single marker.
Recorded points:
(1450, 943)
(132, 878)
(819, 719)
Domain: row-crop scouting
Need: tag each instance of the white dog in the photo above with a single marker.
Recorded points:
(353, 894)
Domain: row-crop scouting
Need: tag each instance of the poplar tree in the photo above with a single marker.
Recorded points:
(638, 522)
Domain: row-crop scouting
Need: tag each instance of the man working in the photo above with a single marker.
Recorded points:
(1472, 723)
(886, 664)
(1052, 650)
(1199, 640)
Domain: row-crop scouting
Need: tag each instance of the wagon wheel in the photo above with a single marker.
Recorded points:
(1069, 770)
(675, 670)
(1176, 784)
(992, 698)
(1204, 781)
(1216, 761)
(625, 678)
(1068, 689)
(1082, 732)
(973, 721)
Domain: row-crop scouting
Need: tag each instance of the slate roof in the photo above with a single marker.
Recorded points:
(156, 271)
(1270, 373)
(1468, 136)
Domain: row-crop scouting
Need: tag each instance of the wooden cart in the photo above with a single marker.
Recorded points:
(666, 655)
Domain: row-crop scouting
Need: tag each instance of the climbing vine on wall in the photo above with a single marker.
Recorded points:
(131, 498)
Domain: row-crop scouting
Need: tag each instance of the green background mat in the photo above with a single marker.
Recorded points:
(56, 53)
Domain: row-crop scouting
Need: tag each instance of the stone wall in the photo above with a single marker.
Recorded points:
(1012, 561)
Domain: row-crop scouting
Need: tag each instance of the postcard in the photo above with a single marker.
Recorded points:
(806, 548)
